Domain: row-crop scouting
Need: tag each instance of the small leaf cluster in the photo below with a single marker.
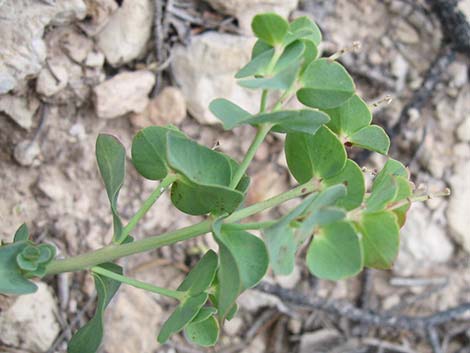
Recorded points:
(22, 260)
(343, 226)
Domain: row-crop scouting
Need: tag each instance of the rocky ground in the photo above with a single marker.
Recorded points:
(72, 69)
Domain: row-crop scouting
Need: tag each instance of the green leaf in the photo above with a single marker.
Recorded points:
(258, 64)
(22, 233)
(321, 155)
(243, 263)
(326, 85)
(196, 199)
(230, 114)
(290, 56)
(88, 338)
(392, 167)
(351, 116)
(353, 178)
(259, 48)
(204, 314)
(232, 312)
(204, 333)
(281, 80)
(303, 28)
(380, 239)
(183, 314)
(12, 280)
(280, 239)
(202, 275)
(305, 120)
(149, 151)
(335, 253)
(383, 192)
(111, 157)
(371, 137)
(250, 254)
(205, 177)
(320, 212)
(270, 28)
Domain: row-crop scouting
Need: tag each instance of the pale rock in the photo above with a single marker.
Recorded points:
(76, 46)
(205, 70)
(406, 33)
(20, 109)
(458, 72)
(22, 25)
(125, 36)
(245, 10)
(463, 131)
(464, 6)
(132, 321)
(266, 183)
(52, 79)
(30, 323)
(233, 326)
(322, 341)
(95, 59)
(459, 204)
(124, 93)
(169, 107)
(26, 153)
(295, 325)
(98, 15)
(424, 243)
(400, 69)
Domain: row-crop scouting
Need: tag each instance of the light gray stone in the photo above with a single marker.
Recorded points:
(20, 109)
(205, 70)
(52, 79)
(321, 341)
(98, 15)
(459, 204)
(30, 323)
(125, 36)
(424, 242)
(124, 93)
(245, 10)
(22, 25)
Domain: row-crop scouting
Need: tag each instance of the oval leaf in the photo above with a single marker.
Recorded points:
(303, 28)
(326, 84)
(380, 239)
(88, 338)
(183, 314)
(281, 80)
(12, 280)
(321, 155)
(335, 253)
(202, 275)
(353, 178)
(270, 28)
(230, 114)
(111, 157)
(204, 333)
(22, 233)
(258, 64)
(372, 138)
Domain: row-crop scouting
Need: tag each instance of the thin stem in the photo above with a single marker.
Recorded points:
(113, 252)
(258, 140)
(255, 225)
(264, 99)
(139, 284)
(165, 183)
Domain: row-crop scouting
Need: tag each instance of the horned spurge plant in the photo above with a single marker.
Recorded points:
(343, 226)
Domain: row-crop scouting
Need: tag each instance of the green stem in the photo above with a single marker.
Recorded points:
(264, 99)
(113, 252)
(255, 225)
(165, 183)
(139, 284)
(263, 130)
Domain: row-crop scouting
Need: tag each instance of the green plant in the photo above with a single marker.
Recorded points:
(353, 228)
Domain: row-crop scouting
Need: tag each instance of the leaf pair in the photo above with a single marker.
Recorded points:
(197, 321)
(351, 121)
(317, 213)
(243, 263)
(305, 120)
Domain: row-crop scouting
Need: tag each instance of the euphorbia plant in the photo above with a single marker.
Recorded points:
(345, 227)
